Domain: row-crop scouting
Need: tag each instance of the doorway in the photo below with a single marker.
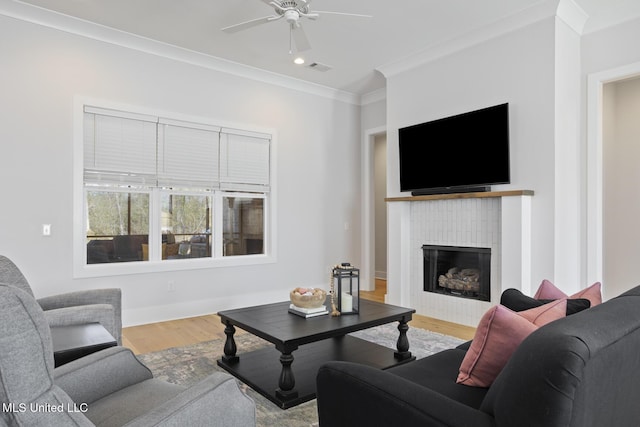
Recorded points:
(601, 209)
(380, 206)
(374, 227)
(621, 174)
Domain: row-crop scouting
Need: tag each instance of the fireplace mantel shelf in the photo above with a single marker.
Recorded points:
(480, 195)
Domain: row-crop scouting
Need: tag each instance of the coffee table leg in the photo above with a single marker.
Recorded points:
(230, 347)
(403, 352)
(287, 382)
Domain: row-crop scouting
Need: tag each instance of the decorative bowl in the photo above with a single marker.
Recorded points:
(308, 297)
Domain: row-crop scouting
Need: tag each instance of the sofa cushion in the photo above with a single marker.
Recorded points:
(438, 372)
(499, 333)
(548, 290)
(465, 345)
(517, 301)
(147, 395)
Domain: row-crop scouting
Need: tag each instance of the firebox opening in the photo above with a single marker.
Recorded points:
(458, 271)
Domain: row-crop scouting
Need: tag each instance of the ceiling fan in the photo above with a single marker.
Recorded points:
(292, 11)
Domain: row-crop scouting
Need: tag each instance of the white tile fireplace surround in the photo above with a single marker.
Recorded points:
(500, 221)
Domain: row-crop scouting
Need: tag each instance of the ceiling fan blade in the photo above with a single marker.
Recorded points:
(299, 38)
(342, 13)
(313, 16)
(248, 24)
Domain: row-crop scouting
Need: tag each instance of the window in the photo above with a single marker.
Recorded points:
(161, 190)
(243, 225)
(186, 223)
(117, 226)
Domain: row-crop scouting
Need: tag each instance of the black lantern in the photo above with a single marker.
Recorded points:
(346, 281)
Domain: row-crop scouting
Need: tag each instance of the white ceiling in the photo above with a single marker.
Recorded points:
(352, 46)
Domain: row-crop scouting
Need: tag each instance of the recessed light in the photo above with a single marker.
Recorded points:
(298, 61)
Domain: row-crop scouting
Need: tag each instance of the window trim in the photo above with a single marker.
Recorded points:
(83, 270)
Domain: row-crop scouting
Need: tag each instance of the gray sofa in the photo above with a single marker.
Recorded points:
(579, 371)
(73, 308)
(108, 388)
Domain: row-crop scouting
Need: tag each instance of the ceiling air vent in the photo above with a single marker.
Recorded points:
(319, 67)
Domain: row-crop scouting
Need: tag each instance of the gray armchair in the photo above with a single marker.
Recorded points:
(93, 305)
(107, 388)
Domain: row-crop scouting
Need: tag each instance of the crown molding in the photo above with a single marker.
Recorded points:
(58, 21)
(537, 12)
(573, 15)
(374, 96)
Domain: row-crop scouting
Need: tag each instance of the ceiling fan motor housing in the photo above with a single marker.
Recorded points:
(289, 4)
(291, 16)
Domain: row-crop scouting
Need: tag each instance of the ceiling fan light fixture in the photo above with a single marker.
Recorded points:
(299, 60)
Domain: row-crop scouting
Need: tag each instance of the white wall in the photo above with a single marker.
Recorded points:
(621, 177)
(611, 47)
(518, 68)
(554, 125)
(43, 69)
(567, 216)
(318, 191)
(374, 114)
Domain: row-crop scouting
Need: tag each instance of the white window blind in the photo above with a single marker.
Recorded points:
(119, 149)
(188, 155)
(126, 148)
(244, 160)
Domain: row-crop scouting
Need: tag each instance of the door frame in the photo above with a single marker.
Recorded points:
(595, 165)
(367, 263)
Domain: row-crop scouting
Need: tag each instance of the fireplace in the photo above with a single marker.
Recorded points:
(458, 271)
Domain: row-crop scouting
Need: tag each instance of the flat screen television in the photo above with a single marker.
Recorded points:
(461, 153)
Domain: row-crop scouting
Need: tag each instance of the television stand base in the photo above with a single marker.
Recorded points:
(451, 190)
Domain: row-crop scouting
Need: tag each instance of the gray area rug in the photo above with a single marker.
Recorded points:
(187, 365)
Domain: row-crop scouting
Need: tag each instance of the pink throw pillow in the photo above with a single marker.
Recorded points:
(548, 290)
(546, 313)
(593, 293)
(499, 333)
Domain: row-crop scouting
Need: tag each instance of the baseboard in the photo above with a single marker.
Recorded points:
(183, 310)
(382, 275)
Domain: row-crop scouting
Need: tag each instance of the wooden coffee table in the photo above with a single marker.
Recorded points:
(272, 371)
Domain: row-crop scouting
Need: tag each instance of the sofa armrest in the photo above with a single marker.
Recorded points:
(93, 377)
(112, 296)
(351, 394)
(215, 401)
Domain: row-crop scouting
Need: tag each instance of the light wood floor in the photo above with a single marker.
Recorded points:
(175, 333)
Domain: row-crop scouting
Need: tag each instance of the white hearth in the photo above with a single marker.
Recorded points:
(496, 220)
